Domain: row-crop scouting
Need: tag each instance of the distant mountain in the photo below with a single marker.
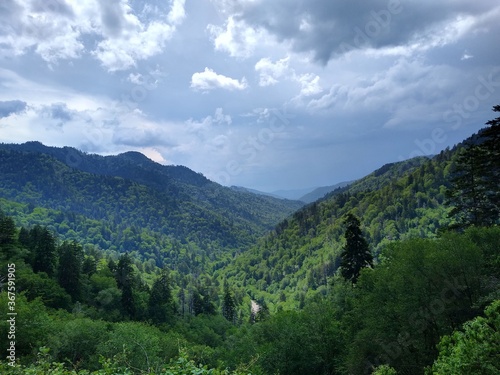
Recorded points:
(320, 192)
(294, 194)
(258, 192)
(127, 202)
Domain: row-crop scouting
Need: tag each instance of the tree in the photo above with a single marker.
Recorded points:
(43, 245)
(356, 253)
(228, 304)
(491, 143)
(124, 278)
(469, 193)
(475, 350)
(160, 305)
(69, 272)
(8, 241)
(474, 193)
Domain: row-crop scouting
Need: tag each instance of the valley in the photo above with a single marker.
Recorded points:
(119, 246)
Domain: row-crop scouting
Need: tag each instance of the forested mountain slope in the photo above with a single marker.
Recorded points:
(398, 201)
(130, 203)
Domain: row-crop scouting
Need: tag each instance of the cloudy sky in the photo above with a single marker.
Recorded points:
(267, 94)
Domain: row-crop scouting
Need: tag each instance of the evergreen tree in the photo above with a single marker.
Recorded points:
(356, 253)
(89, 266)
(228, 304)
(208, 305)
(43, 245)
(196, 305)
(468, 194)
(474, 193)
(8, 238)
(124, 278)
(491, 143)
(160, 305)
(70, 269)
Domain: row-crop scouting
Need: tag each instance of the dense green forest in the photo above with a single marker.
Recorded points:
(396, 273)
(166, 215)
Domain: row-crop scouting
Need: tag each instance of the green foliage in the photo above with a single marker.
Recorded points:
(138, 346)
(180, 366)
(161, 305)
(32, 322)
(8, 239)
(75, 341)
(69, 272)
(356, 254)
(295, 262)
(385, 370)
(128, 203)
(228, 304)
(300, 342)
(475, 350)
(422, 290)
(474, 194)
(40, 285)
(43, 246)
(124, 275)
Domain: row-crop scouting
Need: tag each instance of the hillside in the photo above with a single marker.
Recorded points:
(130, 203)
(396, 202)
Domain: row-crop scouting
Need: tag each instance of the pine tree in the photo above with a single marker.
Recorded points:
(160, 305)
(8, 239)
(356, 253)
(70, 269)
(474, 194)
(44, 249)
(491, 144)
(228, 304)
(124, 275)
(468, 194)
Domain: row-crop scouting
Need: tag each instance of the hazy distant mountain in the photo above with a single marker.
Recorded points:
(254, 191)
(294, 194)
(320, 192)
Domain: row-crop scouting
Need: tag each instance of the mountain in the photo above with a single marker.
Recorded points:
(294, 262)
(294, 194)
(127, 202)
(320, 192)
(254, 191)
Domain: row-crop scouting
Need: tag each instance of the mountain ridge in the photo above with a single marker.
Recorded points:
(139, 205)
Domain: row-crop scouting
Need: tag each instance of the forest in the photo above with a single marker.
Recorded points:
(110, 270)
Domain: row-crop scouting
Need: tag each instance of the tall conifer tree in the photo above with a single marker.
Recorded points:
(356, 252)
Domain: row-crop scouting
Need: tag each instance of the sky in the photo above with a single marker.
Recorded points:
(266, 94)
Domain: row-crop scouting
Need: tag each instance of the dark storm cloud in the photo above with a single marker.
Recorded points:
(138, 137)
(58, 111)
(330, 28)
(10, 107)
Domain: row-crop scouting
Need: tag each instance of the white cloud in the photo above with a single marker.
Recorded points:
(133, 45)
(209, 80)
(177, 13)
(236, 38)
(270, 72)
(309, 84)
(111, 31)
(154, 154)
